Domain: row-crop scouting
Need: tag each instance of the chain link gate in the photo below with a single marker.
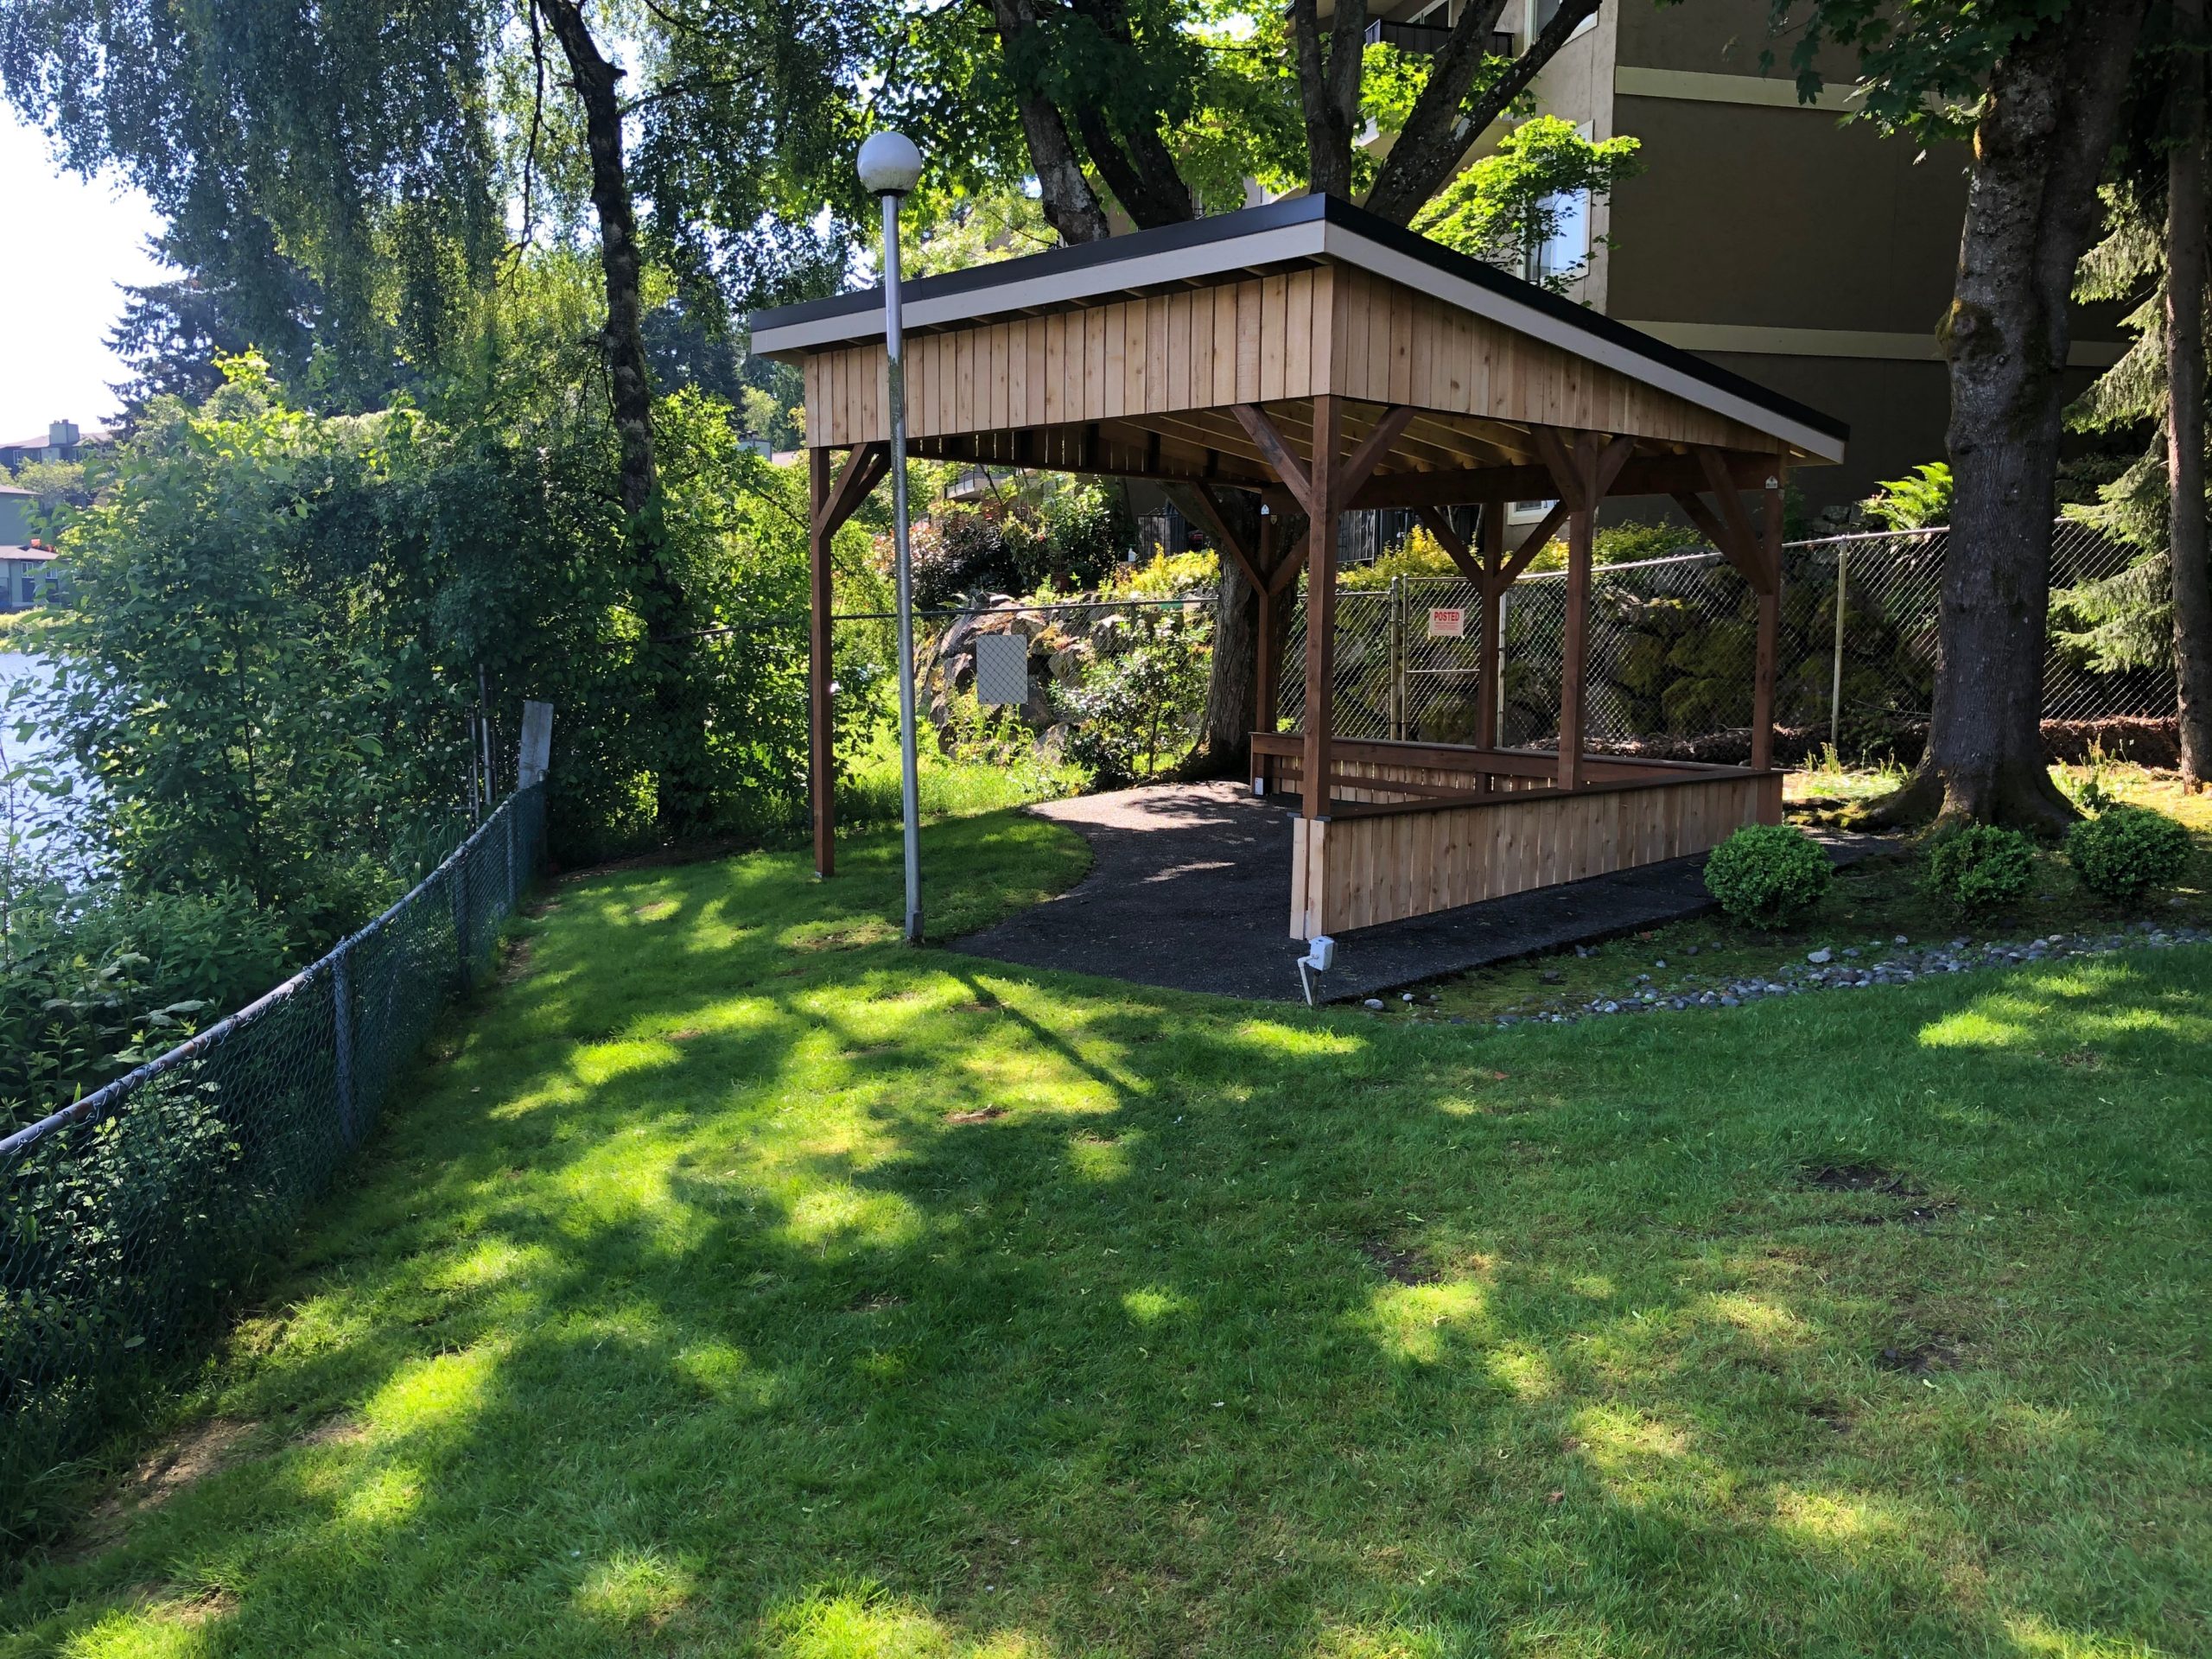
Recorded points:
(1673, 645)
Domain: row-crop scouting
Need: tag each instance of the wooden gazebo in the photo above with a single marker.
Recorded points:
(1329, 361)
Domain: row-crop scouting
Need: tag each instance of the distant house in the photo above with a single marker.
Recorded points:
(63, 441)
(27, 572)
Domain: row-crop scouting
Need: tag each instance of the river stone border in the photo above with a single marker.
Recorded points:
(1846, 968)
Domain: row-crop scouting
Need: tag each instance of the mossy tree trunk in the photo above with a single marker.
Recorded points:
(2046, 125)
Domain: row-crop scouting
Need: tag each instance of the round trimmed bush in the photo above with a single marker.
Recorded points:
(1768, 874)
(1981, 868)
(2125, 851)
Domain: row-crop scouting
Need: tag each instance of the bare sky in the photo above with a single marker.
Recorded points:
(69, 244)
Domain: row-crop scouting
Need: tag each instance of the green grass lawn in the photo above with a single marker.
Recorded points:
(739, 1282)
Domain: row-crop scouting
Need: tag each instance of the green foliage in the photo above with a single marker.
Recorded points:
(1418, 557)
(953, 229)
(1917, 501)
(2125, 851)
(327, 168)
(1167, 575)
(1921, 65)
(2125, 620)
(1063, 532)
(55, 483)
(1634, 542)
(1980, 869)
(1506, 207)
(1767, 875)
(1141, 692)
(254, 675)
(113, 1236)
(95, 981)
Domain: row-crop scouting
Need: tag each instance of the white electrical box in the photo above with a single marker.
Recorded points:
(1002, 670)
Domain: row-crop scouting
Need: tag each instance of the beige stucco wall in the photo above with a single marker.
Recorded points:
(1781, 219)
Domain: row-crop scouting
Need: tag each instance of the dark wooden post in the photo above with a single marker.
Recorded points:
(1323, 484)
(1575, 667)
(1263, 717)
(1489, 653)
(1769, 634)
(822, 766)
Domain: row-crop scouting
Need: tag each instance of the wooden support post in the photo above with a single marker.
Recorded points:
(1769, 634)
(1582, 472)
(1489, 539)
(822, 772)
(1266, 697)
(1323, 494)
(829, 504)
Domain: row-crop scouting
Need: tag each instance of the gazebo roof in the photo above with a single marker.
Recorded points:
(1461, 304)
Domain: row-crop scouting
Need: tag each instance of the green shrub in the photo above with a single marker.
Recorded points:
(94, 981)
(1768, 874)
(1981, 868)
(2125, 851)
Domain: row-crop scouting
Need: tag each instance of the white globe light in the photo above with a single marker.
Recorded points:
(890, 165)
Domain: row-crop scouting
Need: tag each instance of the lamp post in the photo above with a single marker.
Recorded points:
(889, 166)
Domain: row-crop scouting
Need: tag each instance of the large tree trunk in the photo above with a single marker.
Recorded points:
(1442, 124)
(1071, 204)
(2047, 124)
(1224, 740)
(2185, 271)
(1328, 91)
(679, 715)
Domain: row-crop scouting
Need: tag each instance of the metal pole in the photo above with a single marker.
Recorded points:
(1505, 605)
(341, 1034)
(484, 730)
(1835, 682)
(909, 779)
(1397, 660)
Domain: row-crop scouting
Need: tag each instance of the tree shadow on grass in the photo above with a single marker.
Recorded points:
(772, 1337)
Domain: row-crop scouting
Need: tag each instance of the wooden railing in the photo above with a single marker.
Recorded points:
(1415, 828)
(1371, 776)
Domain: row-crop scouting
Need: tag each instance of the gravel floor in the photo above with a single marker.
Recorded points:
(1190, 889)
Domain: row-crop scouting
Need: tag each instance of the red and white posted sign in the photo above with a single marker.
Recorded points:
(1447, 623)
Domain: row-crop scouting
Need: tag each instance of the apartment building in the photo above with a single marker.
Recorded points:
(62, 440)
(1806, 253)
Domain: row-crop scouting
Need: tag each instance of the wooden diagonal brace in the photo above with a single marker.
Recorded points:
(1217, 521)
(1694, 509)
(1538, 539)
(1455, 548)
(863, 470)
(1610, 460)
(1372, 448)
(1567, 475)
(1276, 452)
(1747, 555)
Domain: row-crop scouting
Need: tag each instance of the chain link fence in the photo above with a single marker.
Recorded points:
(1673, 643)
(129, 1218)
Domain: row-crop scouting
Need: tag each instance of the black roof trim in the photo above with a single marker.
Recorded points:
(1305, 210)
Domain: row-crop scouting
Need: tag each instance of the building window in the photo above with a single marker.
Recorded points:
(1567, 250)
(1540, 13)
(1528, 512)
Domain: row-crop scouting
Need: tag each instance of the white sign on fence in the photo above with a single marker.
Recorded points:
(1447, 622)
(1002, 668)
(536, 752)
